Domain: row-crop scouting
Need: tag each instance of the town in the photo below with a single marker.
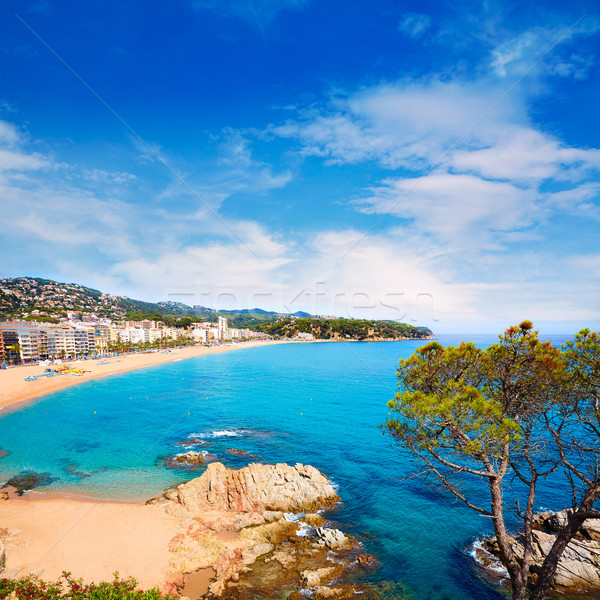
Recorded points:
(23, 342)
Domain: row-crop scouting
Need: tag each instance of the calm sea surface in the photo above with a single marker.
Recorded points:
(312, 403)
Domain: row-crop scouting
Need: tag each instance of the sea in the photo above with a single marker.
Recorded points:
(312, 403)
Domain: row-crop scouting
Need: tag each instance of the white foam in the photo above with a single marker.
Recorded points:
(496, 566)
(303, 530)
(293, 517)
(215, 434)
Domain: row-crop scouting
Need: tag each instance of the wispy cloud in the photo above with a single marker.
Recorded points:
(515, 55)
(414, 25)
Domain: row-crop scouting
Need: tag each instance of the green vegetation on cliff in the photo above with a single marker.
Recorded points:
(354, 329)
(44, 300)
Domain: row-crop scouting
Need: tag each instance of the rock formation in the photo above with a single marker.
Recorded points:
(189, 459)
(256, 487)
(233, 521)
(579, 566)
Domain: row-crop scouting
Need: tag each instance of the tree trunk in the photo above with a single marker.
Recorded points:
(506, 552)
(565, 535)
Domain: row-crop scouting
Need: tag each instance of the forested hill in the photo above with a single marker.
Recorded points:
(339, 329)
(37, 299)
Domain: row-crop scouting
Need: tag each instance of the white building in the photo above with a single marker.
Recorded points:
(201, 335)
(133, 335)
(234, 334)
(222, 325)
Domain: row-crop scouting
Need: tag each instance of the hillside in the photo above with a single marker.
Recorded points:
(355, 329)
(36, 299)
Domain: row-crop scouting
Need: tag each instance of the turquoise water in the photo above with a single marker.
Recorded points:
(312, 403)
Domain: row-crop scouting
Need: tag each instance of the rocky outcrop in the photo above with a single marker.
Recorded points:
(189, 459)
(234, 521)
(256, 487)
(332, 538)
(579, 566)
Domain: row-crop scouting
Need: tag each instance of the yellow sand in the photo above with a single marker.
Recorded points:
(47, 537)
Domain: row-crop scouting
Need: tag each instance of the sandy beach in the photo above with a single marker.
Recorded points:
(47, 537)
(15, 390)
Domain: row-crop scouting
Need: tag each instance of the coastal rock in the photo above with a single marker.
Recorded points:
(366, 560)
(189, 459)
(578, 567)
(327, 593)
(314, 520)
(256, 487)
(274, 532)
(2, 557)
(251, 554)
(317, 577)
(237, 452)
(332, 538)
(235, 521)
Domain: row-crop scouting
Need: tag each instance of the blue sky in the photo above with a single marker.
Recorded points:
(434, 163)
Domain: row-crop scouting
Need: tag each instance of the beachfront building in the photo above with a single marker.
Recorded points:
(145, 324)
(200, 334)
(222, 325)
(61, 342)
(20, 341)
(132, 335)
(234, 334)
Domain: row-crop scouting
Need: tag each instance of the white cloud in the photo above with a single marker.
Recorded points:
(18, 161)
(463, 210)
(518, 54)
(407, 124)
(414, 25)
(526, 155)
(9, 134)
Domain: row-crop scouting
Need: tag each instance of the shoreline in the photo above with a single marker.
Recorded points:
(15, 392)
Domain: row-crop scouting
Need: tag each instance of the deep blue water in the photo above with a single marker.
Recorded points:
(312, 403)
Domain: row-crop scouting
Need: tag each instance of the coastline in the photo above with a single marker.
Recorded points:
(16, 392)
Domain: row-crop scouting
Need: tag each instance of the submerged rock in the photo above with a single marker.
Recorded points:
(28, 480)
(4, 452)
(189, 459)
(243, 453)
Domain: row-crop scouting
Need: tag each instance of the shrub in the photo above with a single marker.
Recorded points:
(32, 588)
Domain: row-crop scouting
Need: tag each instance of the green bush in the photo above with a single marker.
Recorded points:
(32, 588)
